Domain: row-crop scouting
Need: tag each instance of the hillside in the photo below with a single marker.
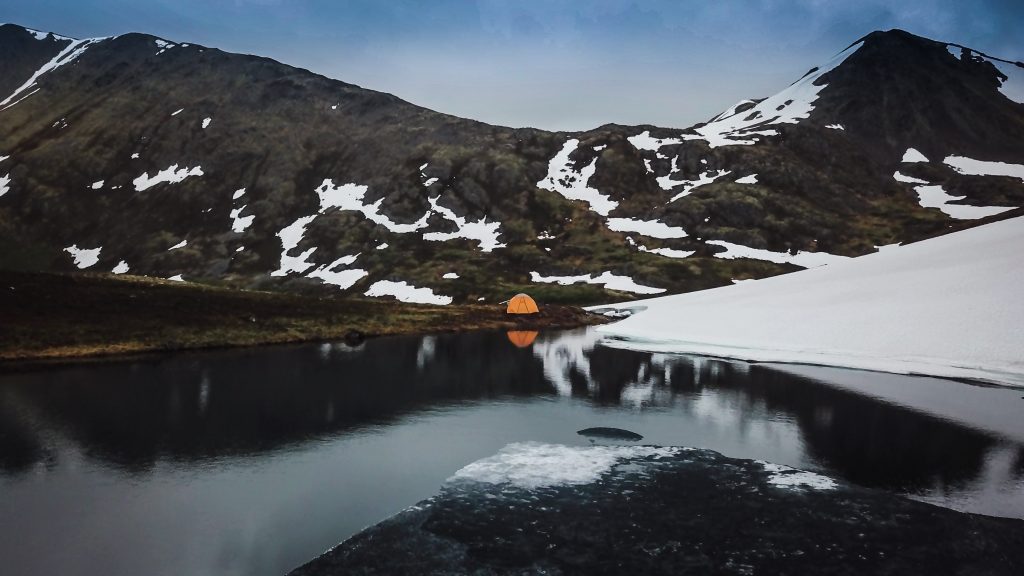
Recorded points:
(141, 155)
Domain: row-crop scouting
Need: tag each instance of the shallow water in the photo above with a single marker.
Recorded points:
(254, 461)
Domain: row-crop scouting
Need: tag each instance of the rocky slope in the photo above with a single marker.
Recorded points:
(137, 154)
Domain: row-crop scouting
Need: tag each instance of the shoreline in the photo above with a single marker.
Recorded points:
(55, 319)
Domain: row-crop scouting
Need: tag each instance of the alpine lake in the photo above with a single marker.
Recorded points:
(255, 461)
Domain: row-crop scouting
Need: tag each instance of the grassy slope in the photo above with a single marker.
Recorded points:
(58, 316)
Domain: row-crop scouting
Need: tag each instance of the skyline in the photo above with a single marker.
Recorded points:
(556, 65)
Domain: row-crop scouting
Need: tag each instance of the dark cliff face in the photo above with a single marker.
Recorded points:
(444, 194)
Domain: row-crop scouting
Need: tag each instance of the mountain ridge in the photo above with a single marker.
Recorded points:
(261, 167)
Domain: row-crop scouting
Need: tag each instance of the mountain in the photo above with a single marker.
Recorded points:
(137, 154)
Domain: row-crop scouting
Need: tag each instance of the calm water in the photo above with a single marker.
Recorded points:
(255, 461)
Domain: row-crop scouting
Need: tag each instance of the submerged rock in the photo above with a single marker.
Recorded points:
(541, 508)
(610, 434)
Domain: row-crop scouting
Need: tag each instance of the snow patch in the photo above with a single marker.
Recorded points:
(5, 184)
(752, 179)
(351, 197)
(689, 186)
(70, 52)
(240, 223)
(935, 196)
(801, 258)
(667, 252)
(450, 276)
(651, 228)
(904, 310)
(84, 257)
(912, 155)
(290, 237)
(176, 112)
(973, 167)
(97, 185)
(238, 194)
(835, 127)
(901, 177)
(181, 244)
(405, 292)
(607, 279)
(573, 185)
(171, 175)
(644, 141)
(121, 268)
(484, 232)
(206, 123)
(786, 477)
(343, 279)
(533, 465)
(382, 246)
(176, 278)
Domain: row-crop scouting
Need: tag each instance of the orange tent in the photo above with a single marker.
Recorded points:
(521, 304)
(521, 338)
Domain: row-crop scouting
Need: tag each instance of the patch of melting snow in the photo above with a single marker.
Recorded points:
(240, 223)
(912, 155)
(121, 268)
(973, 167)
(573, 185)
(801, 258)
(176, 112)
(644, 141)
(651, 228)
(351, 197)
(667, 252)
(533, 465)
(404, 292)
(238, 194)
(5, 184)
(786, 477)
(901, 177)
(752, 179)
(486, 233)
(382, 246)
(935, 196)
(206, 123)
(607, 279)
(135, 155)
(835, 127)
(450, 276)
(176, 278)
(689, 186)
(171, 175)
(97, 185)
(181, 244)
(343, 279)
(73, 50)
(290, 237)
(84, 257)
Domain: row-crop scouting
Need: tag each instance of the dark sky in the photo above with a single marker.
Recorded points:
(556, 64)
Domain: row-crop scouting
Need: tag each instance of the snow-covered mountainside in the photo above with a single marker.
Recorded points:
(947, 306)
(135, 154)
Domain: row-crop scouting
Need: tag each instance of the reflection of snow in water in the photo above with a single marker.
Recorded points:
(564, 354)
(996, 490)
(425, 354)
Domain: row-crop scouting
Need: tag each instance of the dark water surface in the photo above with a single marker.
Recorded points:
(254, 461)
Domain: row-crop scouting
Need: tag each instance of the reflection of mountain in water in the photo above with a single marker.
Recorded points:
(194, 406)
